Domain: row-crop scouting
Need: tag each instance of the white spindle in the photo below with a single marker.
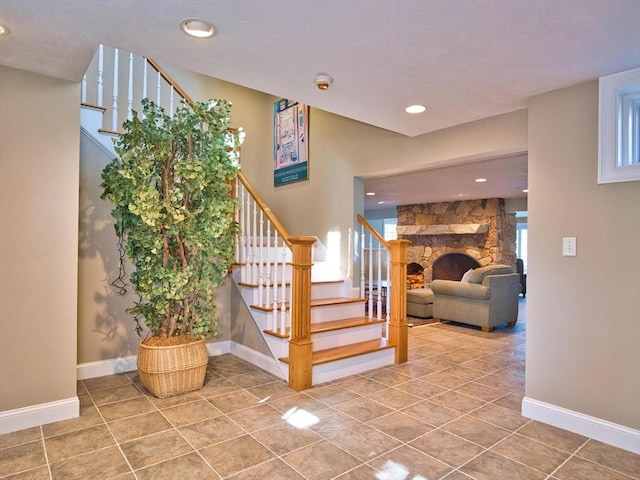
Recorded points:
(388, 299)
(261, 253)
(83, 89)
(362, 272)
(283, 291)
(114, 107)
(267, 266)
(274, 305)
(254, 230)
(171, 101)
(158, 88)
(247, 229)
(370, 275)
(130, 89)
(100, 75)
(379, 282)
(145, 75)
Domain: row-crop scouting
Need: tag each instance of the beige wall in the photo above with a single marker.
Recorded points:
(39, 130)
(583, 322)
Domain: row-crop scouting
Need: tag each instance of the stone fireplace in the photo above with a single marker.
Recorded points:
(480, 229)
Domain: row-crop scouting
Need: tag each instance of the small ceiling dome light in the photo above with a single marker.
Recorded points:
(4, 30)
(481, 180)
(197, 28)
(323, 81)
(415, 109)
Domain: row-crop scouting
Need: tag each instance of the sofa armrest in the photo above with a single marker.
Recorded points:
(460, 289)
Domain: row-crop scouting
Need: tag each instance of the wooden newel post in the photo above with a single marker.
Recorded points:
(398, 328)
(300, 345)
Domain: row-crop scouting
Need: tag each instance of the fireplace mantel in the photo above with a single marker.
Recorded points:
(453, 229)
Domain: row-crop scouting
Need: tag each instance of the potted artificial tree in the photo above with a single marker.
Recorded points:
(174, 218)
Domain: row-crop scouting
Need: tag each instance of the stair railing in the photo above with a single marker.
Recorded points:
(383, 282)
(142, 77)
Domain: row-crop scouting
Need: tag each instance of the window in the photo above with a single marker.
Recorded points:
(619, 127)
(390, 225)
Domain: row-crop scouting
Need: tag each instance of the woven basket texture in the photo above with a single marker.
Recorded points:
(169, 371)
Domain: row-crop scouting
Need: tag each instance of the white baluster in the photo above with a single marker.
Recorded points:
(370, 276)
(274, 305)
(254, 266)
(114, 106)
(261, 252)
(247, 237)
(171, 109)
(236, 218)
(362, 272)
(83, 89)
(130, 89)
(388, 299)
(283, 291)
(379, 282)
(158, 88)
(267, 267)
(145, 75)
(100, 75)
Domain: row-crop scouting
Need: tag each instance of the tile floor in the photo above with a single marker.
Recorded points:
(451, 412)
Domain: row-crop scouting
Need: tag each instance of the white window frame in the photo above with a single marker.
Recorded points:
(614, 161)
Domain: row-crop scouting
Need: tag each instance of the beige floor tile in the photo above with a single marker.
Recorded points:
(96, 465)
(457, 401)
(432, 413)
(400, 426)
(553, 436)
(21, 436)
(421, 389)
(578, 468)
(408, 462)
(273, 469)
(127, 408)
(40, 473)
(218, 386)
(231, 402)
(272, 391)
(491, 466)
(364, 442)
(78, 442)
(89, 417)
(363, 409)
(500, 416)
(190, 412)
(108, 382)
(284, 438)
(298, 401)
(115, 394)
(447, 447)
(476, 431)
(138, 426)
(321, 460)
(21, 457)
(155, 448)
(332, 394)
(364, 472)
(256, 418)
(480, 391)
(361, 385)
(387, 376)
(235, 455)
(621, 460)
(187, 466)
(534, 454)
(394, 398)
(210, 431)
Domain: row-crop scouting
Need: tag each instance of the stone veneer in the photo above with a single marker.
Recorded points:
(480, 228)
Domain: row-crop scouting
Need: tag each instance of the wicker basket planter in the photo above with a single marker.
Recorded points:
(172, 370)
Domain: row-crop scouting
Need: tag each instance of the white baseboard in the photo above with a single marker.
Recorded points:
(113, 366)
(258, 359)
(35, 415)
(592, 427)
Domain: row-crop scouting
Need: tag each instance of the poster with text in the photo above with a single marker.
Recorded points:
(290, 148)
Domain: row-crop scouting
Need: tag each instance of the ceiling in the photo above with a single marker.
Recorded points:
(463, 59)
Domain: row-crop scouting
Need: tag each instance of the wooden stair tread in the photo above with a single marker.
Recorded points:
(332, 325)
(319, 302)
(346, 351)
(288, 283)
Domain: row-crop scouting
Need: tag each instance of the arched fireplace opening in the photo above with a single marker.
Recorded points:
(452, 266)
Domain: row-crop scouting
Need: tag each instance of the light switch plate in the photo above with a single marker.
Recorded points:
(569, 247)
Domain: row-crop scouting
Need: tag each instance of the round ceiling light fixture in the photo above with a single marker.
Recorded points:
(415, 109)
(197, 28)
(3, 30)
(323, 81)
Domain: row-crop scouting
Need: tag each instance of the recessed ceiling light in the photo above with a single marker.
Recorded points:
(4, 30)
(380, 202)
(370, 194)
(481, 180)
(526, 190)
(415, 109)
(197, 28)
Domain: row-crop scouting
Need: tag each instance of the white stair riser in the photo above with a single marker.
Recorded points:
(346, 336)
(352, 365)
(327, 313)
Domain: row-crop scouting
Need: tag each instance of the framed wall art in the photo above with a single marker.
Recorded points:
(290, 142)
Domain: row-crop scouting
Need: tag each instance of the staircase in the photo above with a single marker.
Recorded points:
(314, 327)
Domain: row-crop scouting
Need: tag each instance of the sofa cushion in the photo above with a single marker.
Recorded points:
(467, 275)
(454, 288)
(496, 269)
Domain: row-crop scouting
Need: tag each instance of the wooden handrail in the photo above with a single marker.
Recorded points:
(373, 231)
(171, 81)
(265, 208)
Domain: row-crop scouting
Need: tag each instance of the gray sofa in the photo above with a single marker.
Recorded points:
(489, 298)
